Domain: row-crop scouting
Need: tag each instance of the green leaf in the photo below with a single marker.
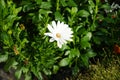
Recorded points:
(29, 6)
(75, 70)
(74, 10)
(104, 30)
(63, 3)
(5, 27)
(3, 58)
(85, 60)
(64, 62)
(87, 36)
(28, 77)
(92, 4)
(46, 5)
(38, 1)
(2, 2)
(74, 53)
(10, 17)
(18, 73)
(90, 53)
(25, 69)
(85, 40)
(43, 11)
(47, 71)
(71, 3)
(37, 73)
(105, 6)
(64, 47)
(83, 13)
(85, 44)
(5, 37)
(23, 42)
(17, 10)
(55, 69)
(58, 16)
(97, 40)
(10, 63)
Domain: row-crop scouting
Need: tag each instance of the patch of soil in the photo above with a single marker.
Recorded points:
(63, 74)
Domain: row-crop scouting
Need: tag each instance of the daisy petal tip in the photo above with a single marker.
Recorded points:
(45, 34)
(59, 45)
(51, 40)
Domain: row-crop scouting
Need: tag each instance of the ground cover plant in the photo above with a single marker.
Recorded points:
(40, 37)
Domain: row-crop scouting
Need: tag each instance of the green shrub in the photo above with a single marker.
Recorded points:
(24, 46)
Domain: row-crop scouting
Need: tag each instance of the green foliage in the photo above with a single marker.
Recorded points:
(3, 58)
(24, 47)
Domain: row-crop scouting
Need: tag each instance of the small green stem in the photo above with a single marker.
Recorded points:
(57, 5)
(94, 16)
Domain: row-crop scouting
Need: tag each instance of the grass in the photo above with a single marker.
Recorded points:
(107, 68)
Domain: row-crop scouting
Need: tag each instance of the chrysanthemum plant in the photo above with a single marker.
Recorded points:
(40, 37)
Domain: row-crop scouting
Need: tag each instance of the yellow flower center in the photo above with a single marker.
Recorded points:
(58, 35)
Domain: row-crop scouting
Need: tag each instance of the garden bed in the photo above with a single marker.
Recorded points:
(59, 39)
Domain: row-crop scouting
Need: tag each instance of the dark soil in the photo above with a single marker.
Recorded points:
(62, 74)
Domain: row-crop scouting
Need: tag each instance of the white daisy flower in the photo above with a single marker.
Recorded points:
(59, 32)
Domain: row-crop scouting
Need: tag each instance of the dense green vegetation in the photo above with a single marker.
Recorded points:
(38, 38)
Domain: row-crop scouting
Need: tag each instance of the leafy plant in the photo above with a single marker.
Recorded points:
(24, 47)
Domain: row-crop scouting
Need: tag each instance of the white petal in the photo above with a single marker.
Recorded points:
(50, 28)
(59, 44)
(68, 39)
(54, 24)
(52, 39)
(63, 41)
(58, 24)
(48, 34)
